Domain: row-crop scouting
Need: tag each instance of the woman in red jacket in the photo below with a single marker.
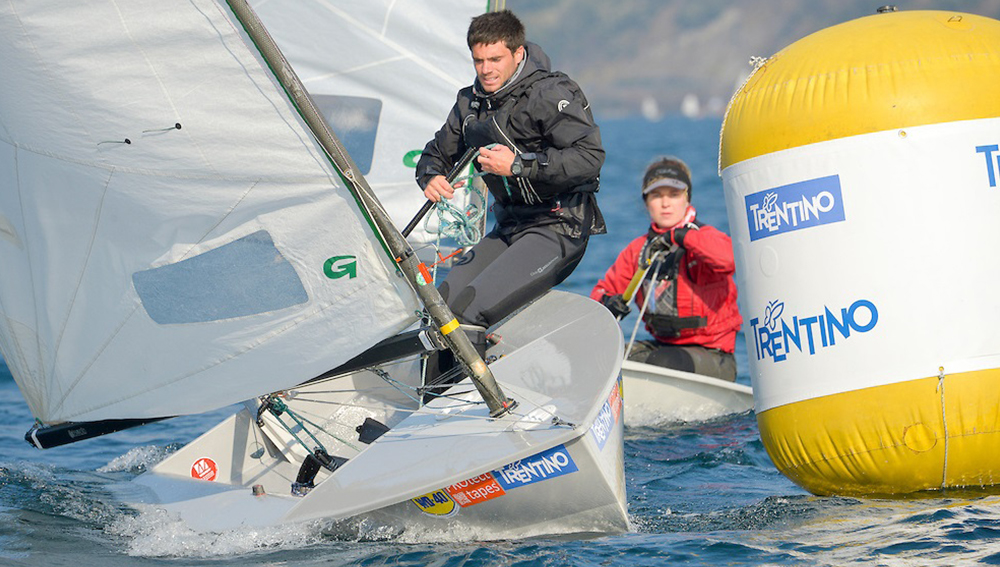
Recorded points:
(693, 315)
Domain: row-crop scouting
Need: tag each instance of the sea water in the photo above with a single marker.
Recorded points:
(701, 493)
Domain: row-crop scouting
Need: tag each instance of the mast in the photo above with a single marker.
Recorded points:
(406, 260)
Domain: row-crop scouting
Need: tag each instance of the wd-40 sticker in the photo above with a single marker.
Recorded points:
(781, 335)
(992, 154)
(436, 503)
(794, 207)
(608, 417)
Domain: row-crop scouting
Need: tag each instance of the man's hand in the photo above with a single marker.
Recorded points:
(496, 159)
(438, 188)
(616, 305)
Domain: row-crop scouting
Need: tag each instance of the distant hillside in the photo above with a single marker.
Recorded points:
(626, 51)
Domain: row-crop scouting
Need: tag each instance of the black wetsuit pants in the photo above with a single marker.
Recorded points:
(689, 358)
(502, 273)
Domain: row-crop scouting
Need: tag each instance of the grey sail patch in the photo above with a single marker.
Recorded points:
(355, 120)
(246, 277)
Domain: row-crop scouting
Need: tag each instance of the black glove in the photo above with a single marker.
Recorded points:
(659, 243)
(677, 235)
(616, 305)
(666, 241)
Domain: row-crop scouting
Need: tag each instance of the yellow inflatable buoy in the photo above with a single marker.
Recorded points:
(861, 168)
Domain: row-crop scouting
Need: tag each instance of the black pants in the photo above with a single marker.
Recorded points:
(689, 358)
(502, 273)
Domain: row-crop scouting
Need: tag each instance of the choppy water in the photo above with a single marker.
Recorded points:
(699, 493)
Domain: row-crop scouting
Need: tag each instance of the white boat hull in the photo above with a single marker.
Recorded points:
(552, 466)
(654, 395)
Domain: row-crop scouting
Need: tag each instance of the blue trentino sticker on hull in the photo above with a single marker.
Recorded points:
(536, 468)
(605, 421)
(794, 207)
(601, 429)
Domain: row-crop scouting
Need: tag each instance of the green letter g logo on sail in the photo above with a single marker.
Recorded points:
(340, 266)
(411, 157)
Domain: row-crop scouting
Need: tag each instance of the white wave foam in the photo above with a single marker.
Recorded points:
(137, 460)
(153, 532)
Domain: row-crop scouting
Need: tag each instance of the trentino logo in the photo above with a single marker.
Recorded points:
(542, 466)
(775, 338)
(608, 417)
(794, 207)
(991, 171)
(340, 266)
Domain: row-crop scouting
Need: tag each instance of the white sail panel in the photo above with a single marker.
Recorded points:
(213, 257)
(384, 73)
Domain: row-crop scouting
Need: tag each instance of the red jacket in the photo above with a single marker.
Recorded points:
(705, 287)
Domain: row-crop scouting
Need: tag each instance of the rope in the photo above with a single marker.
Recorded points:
(554, 420)
(399, 386)
(944, 420)
(278, 407)
(462, 225)
(653, 277)
(319, 427)
(757, 62)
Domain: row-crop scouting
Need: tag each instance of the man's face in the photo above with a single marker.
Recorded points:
(495, 63)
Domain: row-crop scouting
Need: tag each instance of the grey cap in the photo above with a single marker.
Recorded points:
(666, 172)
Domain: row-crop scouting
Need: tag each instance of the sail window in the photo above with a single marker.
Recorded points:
(354, 120)
(248, 276)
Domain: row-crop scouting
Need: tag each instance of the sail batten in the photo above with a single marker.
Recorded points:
(60, 329)
(216, 155)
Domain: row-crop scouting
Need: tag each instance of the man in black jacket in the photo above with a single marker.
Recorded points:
(541, 152)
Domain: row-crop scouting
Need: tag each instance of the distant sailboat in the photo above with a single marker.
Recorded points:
(650, 109)
(691, 106)
(185, 232)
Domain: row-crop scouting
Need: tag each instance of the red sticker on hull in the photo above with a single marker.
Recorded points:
(204, 469)
(475, 490)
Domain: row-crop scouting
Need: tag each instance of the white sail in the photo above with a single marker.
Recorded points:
(384, 73)
(172, 238)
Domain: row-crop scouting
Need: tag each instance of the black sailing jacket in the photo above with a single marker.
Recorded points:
(537, 111)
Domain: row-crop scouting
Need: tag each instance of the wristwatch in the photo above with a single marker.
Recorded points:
(518, 166)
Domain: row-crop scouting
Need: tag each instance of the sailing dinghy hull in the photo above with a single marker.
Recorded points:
(654, 394)
(552, 466)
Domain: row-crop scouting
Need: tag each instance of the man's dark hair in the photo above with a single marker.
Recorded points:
(494, 27)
